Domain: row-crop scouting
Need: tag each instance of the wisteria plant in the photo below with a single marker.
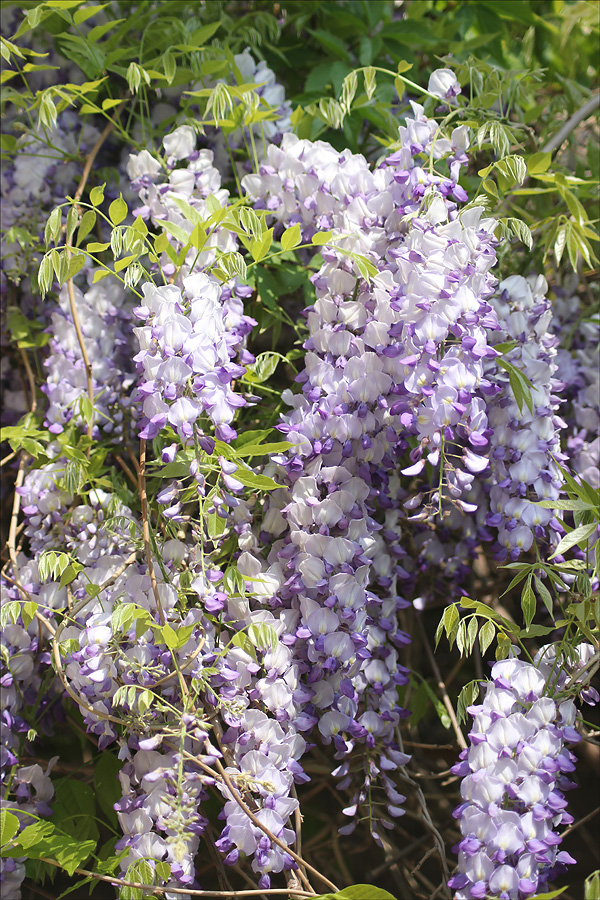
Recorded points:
(292, 377)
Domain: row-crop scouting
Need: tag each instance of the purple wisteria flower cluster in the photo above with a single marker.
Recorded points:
(187, 358)
(525, 439)
(104, 314)
(43, 173)
(30, 703)
(214, 651)
(577, 359)
(514, 774)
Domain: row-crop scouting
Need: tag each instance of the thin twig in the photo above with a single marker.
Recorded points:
(146, 531)
(12, 531)
(155, 889)
(223, 776)
(126, 469)
(584, 113)
(70, 287)
(235, 794)
(581, 822)
(298, 830)
(30, 379)
(440, 683)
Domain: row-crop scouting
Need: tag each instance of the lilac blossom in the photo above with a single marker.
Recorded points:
(31, 792)
(577, 370)
(104, 313)
(525, 441)
(514, 773)
(186, 360)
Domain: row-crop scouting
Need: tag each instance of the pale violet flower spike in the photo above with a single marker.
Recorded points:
(444, 84)
(180, 144)
(514, 774)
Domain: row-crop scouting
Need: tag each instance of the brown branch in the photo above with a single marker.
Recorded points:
(581, 822)
(93, 154)
(146, 531)
(30, 379)
(222, 775)
(440, 683)
(126, 469)
(585, 112)
(12, 531)
(155, 889)
(275, 840)
(70, 287)
(297, 825)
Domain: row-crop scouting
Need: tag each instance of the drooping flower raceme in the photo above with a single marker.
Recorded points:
(577, 369)
(514, 773)
(525, 432)
(104, 313)
(187, 359)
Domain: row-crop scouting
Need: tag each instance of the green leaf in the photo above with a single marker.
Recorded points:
(169, 636)
(466, 698)
(176, 639)
(263, 636)
(70, 573)
(450, 620)
(259, 247)
(177, 231)
(503, 647)
(550, 895)
(519, 384)
(321, 237)
(538, 162)
(117, 210)
(263, 449)
(99, 274)
(257, 482)
(9, 825)
(361, 892)
(28, 611)
(85, 226)
(592, 886)
(123, 263)
(263, 367)
(8, 143)
(69, 852)
(486, 635)
(215, 525)
(579, 536)
(63, 4)
(74, 809)
(34, 834)
(528, 603)
(200, 37)
(97, 195)
(573, 505)
(191, 214)
(370, 77)
(82, 14)
(109, 103)
(334, 45)
(76, 263)
(544, 594)
(99, 31)
(53, 225)
(291, 238)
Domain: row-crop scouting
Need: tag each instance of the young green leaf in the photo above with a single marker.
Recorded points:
(291, 237)
(117, 210)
